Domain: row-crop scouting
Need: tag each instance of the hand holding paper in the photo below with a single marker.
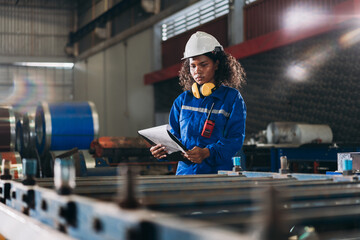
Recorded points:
(162, 135)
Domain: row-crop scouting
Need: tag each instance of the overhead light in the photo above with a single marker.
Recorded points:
(350, 38)
(304, 17)
(46, 64)
(297, 72)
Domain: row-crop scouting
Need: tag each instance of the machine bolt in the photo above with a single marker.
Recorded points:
(284, 169)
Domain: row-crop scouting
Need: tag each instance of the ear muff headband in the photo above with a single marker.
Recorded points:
(205, 90)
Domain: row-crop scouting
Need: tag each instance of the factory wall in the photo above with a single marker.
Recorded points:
(34, 31)
(313, 81)
(24, 87)
(124, 18)
(113, 80)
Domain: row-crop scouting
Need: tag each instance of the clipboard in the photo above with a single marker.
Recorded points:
(177, 141)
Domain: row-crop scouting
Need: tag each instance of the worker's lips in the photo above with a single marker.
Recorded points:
(199, 79)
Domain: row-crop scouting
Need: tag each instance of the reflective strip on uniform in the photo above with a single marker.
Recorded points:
(205, 110)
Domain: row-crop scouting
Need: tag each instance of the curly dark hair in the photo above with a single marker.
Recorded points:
(229, 72)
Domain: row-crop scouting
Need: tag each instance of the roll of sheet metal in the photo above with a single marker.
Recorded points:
(63, 126)
(25, 133)
(29, 134)
(7, 129)
(298, 133)
(16, 164)
(19, 140)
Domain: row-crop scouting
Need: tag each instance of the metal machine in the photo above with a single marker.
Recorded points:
(308, 147)
(111, 198)
(125, 151)
(245, 205)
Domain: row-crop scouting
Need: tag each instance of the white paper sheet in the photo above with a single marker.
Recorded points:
(160, 135)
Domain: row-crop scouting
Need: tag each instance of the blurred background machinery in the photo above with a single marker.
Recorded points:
(70, 129)
(309, 148)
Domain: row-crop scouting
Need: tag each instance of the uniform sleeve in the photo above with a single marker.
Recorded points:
(225, 148)
(174, 122)
(174, 117)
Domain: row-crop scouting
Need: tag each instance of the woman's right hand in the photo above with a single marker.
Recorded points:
(158, 151)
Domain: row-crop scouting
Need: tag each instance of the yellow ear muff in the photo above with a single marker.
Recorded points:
(195, 90)
(207, 89)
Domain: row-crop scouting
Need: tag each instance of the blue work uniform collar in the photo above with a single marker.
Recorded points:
(219, 93)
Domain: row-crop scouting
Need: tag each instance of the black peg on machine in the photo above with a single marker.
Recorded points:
(5, 166)
(29, 171)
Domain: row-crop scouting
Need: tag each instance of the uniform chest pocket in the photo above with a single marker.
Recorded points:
(185, 115)
(220, 123)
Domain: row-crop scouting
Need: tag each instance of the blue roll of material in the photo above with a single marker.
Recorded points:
(63, 126)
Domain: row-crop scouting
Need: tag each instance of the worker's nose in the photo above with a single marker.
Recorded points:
(198, 69)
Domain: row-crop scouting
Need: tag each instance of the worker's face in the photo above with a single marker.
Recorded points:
(202, 69)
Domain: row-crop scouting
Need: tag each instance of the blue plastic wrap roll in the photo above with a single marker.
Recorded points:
(63, 126)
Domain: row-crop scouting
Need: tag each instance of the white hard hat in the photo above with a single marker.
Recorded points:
(200, 43)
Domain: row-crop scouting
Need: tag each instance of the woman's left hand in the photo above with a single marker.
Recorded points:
(197, 155)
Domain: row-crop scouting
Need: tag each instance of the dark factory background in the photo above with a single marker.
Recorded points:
(80, 78)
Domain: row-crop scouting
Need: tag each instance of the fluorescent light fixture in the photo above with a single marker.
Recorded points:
(46, 64)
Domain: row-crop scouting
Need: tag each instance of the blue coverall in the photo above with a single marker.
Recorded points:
(187, 117)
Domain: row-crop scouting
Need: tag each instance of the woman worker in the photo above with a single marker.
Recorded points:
(209, 116)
